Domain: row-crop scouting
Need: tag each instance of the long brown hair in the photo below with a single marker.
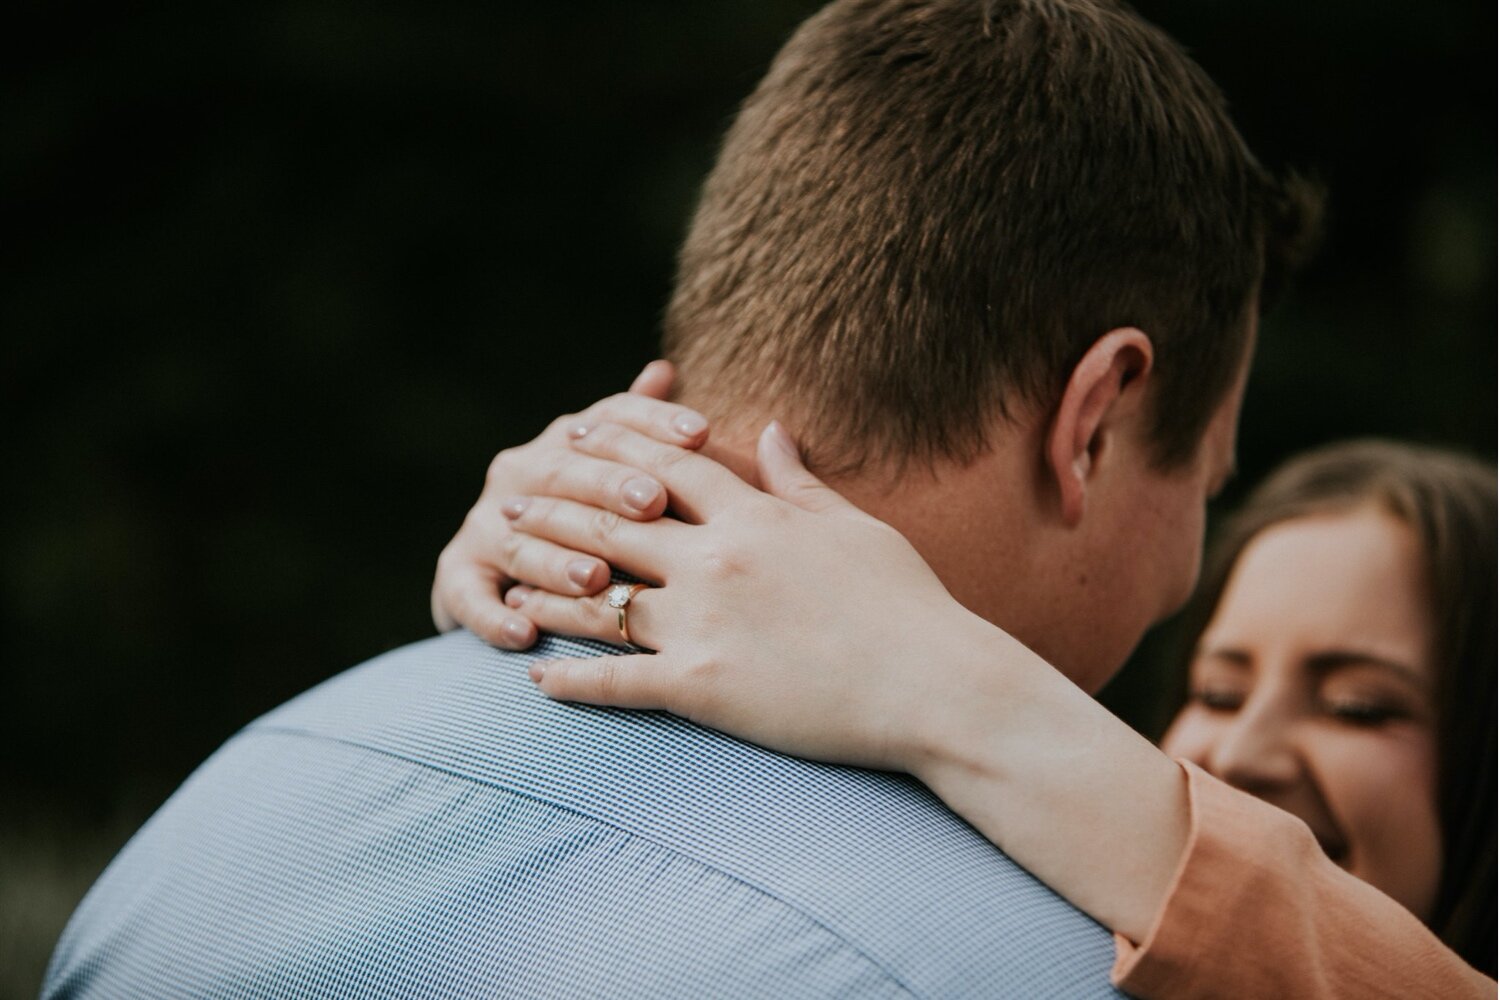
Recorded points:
(1448, 500)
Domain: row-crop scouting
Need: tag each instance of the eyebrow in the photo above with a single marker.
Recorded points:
(1228, 655)
(1328, 661)
(1334, 659)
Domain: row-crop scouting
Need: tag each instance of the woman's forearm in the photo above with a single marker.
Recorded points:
(1052, 778)
(1099, 814)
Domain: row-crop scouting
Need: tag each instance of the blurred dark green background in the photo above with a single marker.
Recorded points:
(278, 280)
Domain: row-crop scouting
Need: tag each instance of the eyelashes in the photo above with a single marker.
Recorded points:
(1363, 712)
(1217, 699)
(1357, 711)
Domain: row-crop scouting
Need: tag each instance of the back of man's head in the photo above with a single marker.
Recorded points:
(929, 209)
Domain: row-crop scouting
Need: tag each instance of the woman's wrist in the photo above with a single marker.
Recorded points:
(1051, 777)
(968, 706)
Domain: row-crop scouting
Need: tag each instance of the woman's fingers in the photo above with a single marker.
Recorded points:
(469, 578)
(626, 545)
(470, 597)
(782, 473)
(655, 380)
(591, 617)
(558, 471)
(669, 423)
(637, 681)
(699, 486)
(545, 564)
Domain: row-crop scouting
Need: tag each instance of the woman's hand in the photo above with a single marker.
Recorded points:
(787, 617)
(792, 619)
(485, 557)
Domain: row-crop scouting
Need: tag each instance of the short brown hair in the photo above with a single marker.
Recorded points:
(929, 205)
(1448, 500)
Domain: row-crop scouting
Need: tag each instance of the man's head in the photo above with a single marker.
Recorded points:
(980, 239)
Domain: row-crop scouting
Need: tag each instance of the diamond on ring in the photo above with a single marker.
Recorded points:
(618, 597)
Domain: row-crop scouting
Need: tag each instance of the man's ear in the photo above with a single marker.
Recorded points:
(1117, 361)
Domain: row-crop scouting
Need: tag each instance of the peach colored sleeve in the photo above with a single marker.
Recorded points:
(1257, 910)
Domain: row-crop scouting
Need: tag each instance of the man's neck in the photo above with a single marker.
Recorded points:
(975, 524)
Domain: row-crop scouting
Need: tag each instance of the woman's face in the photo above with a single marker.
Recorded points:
(1312, 689)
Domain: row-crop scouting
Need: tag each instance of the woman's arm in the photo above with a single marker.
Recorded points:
(907, 679)
(1257, 909)
(814, 629)
(1055, 780)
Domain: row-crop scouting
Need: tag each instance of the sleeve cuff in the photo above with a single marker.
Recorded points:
(1214, 879)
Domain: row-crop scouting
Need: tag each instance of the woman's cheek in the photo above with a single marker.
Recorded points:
(1378, 772)
(1381, 786)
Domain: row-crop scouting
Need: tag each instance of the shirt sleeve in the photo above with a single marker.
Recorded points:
(1257, 909)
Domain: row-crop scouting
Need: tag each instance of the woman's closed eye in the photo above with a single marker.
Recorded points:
(1364, 704)
(1218, 698)
(1367, 692)
(1221, 679)
(1362, 711)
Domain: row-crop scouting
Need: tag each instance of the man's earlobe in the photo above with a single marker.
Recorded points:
(1109, 373)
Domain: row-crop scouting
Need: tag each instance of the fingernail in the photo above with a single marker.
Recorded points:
(690, 424)
(641, 492)
(581, 571)
(516, 629)
(577, 431)
(515, 507)
(515, 597)
(537, 671)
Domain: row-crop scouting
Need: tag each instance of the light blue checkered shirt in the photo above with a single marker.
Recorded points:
(428, 825)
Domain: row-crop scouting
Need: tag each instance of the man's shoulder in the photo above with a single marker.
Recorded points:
(433, 814)
(872, 856)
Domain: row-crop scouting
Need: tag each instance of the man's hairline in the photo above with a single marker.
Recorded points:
(1021, 408)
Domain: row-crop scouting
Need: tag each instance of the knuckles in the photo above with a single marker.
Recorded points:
(607, 486)
(602, 524)
(768, 514)
(501, 471)
(559, 427)
(626, 407)
(509, 550)
(587, 614)
(724, 560)
(610, 406)
(527, 468)
(606, 678)
(602, 438)
(663, 459)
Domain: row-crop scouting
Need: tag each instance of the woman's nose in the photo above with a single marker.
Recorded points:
(1255, 750)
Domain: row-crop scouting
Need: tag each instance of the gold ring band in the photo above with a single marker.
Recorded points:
(618, 597)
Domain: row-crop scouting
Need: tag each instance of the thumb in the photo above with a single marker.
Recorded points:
(655, 380)
(782, 473)
(622, 681)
